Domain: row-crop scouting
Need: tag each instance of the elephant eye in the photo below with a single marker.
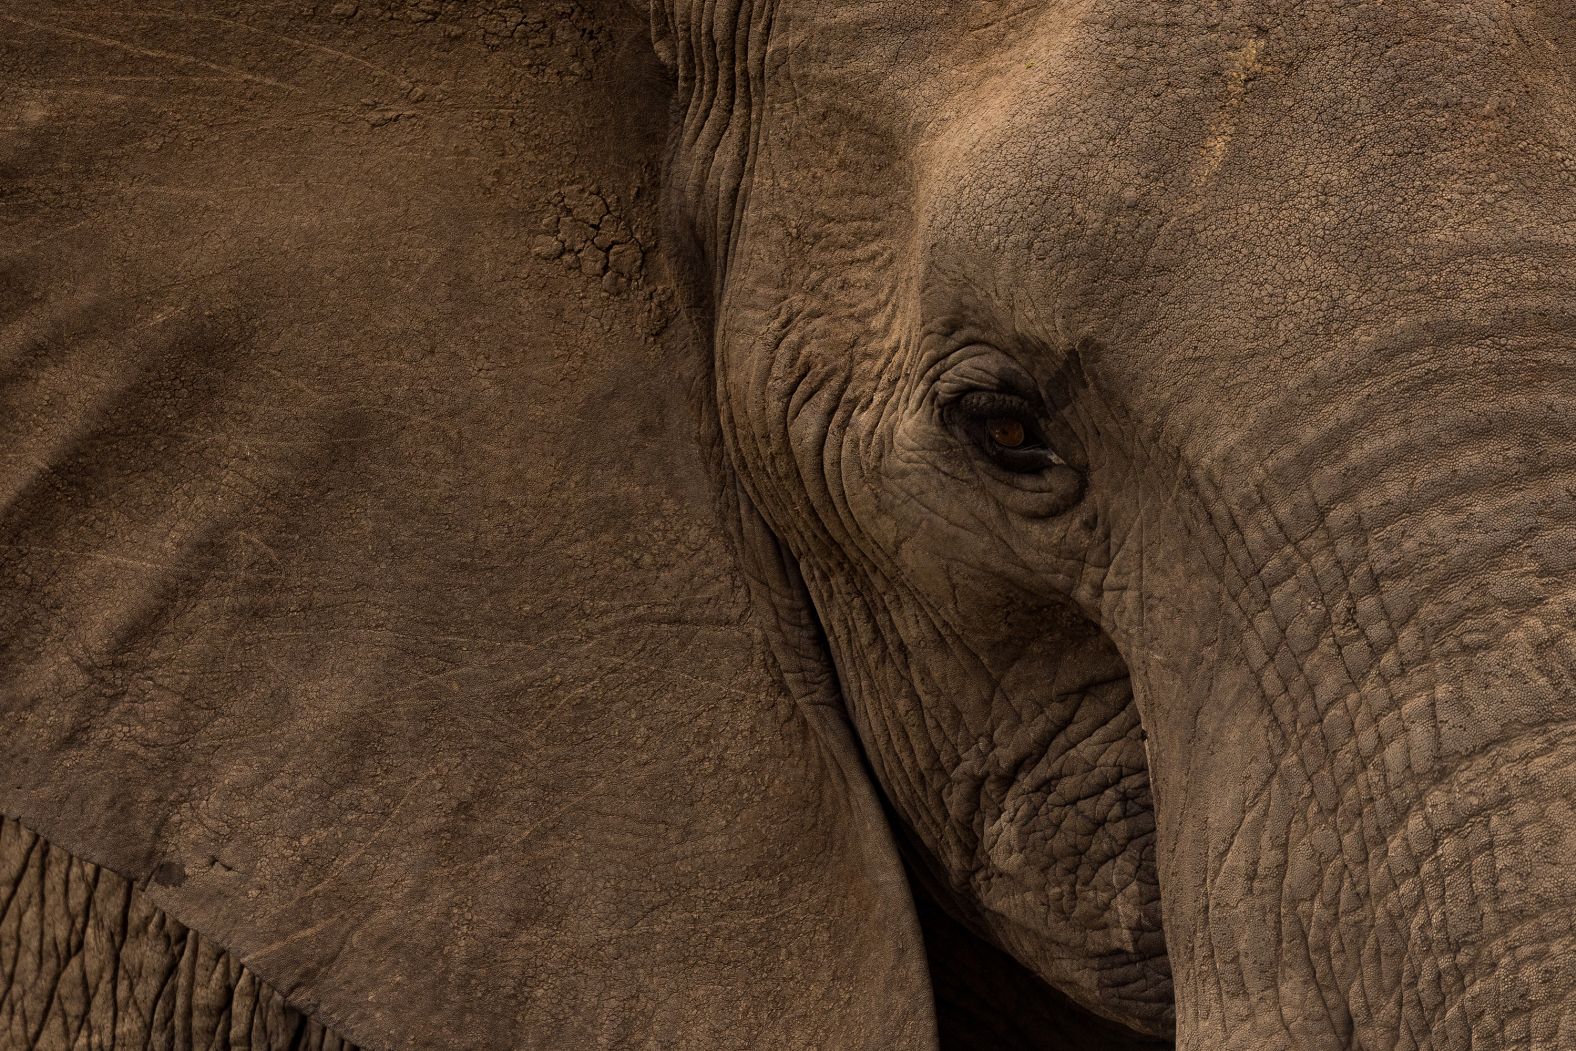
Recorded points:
(1006, 429)
(1008, 432)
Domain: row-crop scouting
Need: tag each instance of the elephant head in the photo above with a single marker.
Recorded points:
(1165, 414)
(764, 523)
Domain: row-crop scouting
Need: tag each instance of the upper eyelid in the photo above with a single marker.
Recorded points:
(968, 363)
(996, 399)
(1006, 397)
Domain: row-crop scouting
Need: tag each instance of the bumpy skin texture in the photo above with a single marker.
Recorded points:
(1251, 722)
(371, 604)
(366, 598)
(90, 964)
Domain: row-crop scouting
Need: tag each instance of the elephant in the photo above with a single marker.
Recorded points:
(760, 523)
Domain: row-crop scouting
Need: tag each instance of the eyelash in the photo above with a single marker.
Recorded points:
(982, 402)
(980, 405)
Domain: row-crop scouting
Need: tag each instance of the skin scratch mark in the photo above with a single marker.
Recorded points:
(148, 52)
(273, 36)
(1244, 65)
(54, 235)
(308, 932)
(559, 811)
(102, 556)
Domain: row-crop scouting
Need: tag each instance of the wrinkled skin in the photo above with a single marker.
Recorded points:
(370, 634)
(1249, 719)
(91, 962)
(387, 662)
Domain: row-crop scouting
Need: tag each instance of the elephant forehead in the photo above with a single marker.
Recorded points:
(1199, 191)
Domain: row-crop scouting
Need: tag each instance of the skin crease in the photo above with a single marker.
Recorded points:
(378, 662)
(1251, 725)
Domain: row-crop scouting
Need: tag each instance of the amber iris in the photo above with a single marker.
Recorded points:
(1007, 433)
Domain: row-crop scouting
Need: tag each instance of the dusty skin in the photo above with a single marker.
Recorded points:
(885, 524)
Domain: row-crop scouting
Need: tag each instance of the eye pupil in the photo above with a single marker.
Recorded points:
(1007, 433)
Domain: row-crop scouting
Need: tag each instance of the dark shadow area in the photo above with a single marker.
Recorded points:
(987, 1001)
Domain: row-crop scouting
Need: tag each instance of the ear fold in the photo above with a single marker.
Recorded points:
(369, 599)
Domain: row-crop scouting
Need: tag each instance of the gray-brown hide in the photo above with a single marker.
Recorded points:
(1146, 426)
(366, 599)
(1169, 410)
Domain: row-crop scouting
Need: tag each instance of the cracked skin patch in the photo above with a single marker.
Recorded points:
(104, 967)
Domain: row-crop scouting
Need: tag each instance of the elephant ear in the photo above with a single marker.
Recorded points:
(370, 603)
